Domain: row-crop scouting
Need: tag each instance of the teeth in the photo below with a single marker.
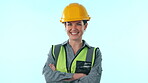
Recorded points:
(74, 33)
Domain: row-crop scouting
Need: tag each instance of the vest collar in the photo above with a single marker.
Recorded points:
(84, 43)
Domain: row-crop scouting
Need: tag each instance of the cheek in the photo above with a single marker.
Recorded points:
(67, 30)
(82, 29)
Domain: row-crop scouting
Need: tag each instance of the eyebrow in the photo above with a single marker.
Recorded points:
(67, 22)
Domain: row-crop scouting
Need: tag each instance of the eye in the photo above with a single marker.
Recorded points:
(79, 24)
(69, 24)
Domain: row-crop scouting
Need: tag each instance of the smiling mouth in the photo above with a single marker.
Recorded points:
(74, 33)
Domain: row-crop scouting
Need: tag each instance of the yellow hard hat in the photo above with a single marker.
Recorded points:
(74, 12)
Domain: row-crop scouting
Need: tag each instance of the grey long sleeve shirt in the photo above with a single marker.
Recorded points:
(57, 77)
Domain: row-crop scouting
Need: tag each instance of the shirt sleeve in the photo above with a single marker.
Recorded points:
(53, 76)
(95, 74)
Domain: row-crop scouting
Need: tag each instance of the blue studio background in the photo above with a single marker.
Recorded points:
(28, 28)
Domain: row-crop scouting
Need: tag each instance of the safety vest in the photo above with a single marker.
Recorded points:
(59, 54)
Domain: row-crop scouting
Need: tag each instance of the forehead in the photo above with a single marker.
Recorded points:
(75, 21)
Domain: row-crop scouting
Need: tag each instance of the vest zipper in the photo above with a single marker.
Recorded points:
(74, 59)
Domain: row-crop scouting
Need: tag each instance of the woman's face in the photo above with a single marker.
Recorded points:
(75, 29)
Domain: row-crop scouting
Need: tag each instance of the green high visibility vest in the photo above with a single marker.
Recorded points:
(59, 54)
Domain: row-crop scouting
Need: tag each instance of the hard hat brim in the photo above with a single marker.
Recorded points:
(68, 20)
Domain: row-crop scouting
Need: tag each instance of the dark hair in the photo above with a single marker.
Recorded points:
(84, 21)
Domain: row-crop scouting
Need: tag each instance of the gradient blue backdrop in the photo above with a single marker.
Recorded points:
(28, 28)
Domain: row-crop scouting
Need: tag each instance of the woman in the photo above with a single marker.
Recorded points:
(74, 61)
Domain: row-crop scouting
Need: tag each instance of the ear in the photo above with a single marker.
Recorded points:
(85, 26)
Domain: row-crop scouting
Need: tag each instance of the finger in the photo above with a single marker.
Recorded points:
(50, 65)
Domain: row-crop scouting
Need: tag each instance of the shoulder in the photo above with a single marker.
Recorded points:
(96, 50)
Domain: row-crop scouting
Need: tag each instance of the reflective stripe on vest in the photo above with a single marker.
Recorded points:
(59, 54)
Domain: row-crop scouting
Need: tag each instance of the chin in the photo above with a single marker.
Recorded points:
(74, 39)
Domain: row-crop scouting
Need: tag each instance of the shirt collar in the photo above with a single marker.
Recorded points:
(84, 43)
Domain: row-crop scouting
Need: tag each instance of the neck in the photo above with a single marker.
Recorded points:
(76, 45)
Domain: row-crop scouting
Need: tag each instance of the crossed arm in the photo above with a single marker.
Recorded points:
(51, 75)
(74, 77)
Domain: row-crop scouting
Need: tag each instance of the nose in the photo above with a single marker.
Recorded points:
(74, 27)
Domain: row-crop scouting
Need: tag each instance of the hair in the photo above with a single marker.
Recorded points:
(84, 21)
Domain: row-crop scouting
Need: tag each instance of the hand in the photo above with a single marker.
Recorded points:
(52, 67)
(76, 76)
